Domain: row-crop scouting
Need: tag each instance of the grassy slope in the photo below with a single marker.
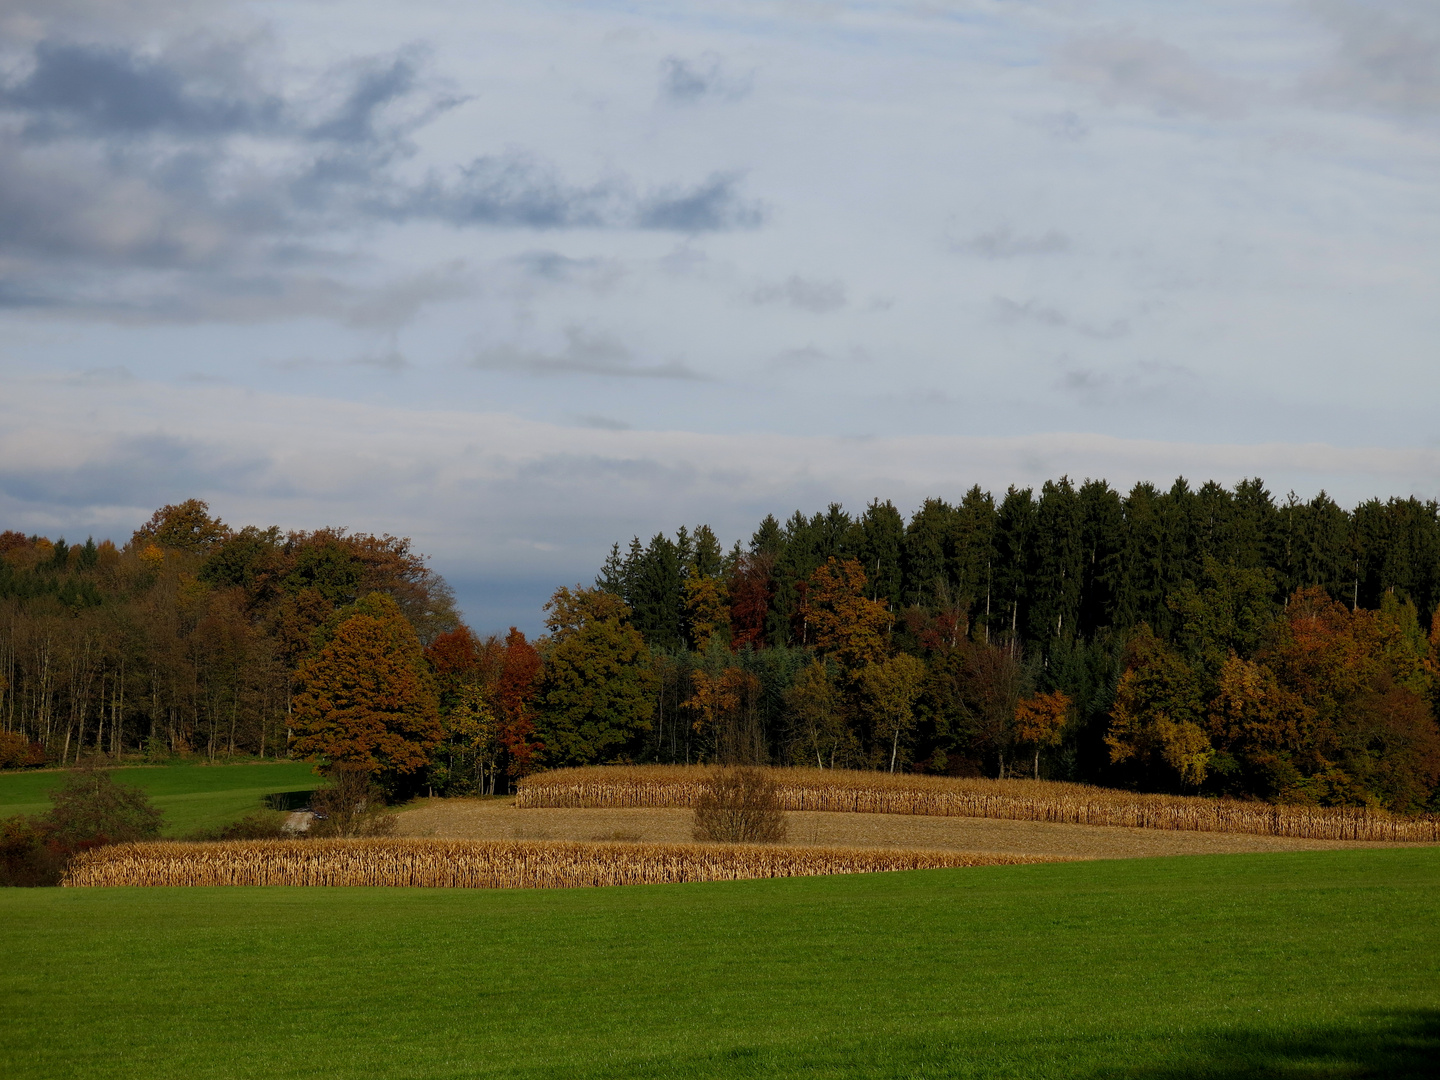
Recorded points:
(1316, 964)
(192, 796)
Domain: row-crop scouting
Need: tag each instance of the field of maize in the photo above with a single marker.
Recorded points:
(478, 864)
(679, 786)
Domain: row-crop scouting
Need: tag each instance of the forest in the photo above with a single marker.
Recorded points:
(1194, 640)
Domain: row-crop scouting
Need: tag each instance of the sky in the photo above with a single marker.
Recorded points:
(519, 280)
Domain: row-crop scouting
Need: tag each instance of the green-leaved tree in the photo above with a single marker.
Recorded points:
(599, 686)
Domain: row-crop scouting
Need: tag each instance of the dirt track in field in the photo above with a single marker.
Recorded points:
(497, 819)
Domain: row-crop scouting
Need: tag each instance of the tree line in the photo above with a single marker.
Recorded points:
(1203, 639)
(186, 639)
(1192, 639)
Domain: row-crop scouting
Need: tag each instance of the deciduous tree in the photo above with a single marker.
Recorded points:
(1040, 721)
(598, 685)
(367, 699)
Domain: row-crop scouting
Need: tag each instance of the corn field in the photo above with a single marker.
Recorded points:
(1012, 800)
(479, 864)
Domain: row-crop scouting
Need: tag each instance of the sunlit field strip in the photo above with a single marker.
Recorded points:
(679, 786)
(477, 864)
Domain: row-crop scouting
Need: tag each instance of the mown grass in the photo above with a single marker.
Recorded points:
(1306, 965)
(194, 797)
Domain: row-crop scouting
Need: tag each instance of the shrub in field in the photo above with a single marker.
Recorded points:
(740, 806)
(89, 808)
(353, 805)
(18, 752)
(479, 864)
(855, 791)
(25, 856)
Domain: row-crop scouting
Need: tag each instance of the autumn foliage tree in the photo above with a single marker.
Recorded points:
(1040, 721)
(517, 685)
(892, 687)
(841, 620)
(367, 699)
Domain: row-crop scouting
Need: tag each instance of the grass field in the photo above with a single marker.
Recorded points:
(1305, 965)
(193, 797)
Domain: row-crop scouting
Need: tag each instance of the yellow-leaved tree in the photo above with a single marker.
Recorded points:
(1040, 720)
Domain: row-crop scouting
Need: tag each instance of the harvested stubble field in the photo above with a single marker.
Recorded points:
(845, 791)
(485, 865)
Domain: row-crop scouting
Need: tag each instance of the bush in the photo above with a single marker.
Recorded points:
(18, 752)
(90, 809)
(740, 806)
(353, 805)
(27, 855)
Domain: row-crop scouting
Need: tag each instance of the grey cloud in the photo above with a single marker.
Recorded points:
(397, 303)
(180, 161)
(1150, 73)
(803, 357)
(689, 81)
(376, 85)
(1386, 56)
(712, 206)
(553, 266)
(518, 190)
(510, 190)
(602, 423)
(1038, 314)
(1066, 125)
(1002, 243)
(798, 292)
(809, 356)
(1142, 380)
(585, 353)
(78, 88)
(134, 470)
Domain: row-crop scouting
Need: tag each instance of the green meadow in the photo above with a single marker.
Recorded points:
(1306, 965)
(193, 796)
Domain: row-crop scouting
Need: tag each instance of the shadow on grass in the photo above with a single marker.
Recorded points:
(1393, 1046)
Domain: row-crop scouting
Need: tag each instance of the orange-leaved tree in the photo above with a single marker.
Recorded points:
(367, 699)
(1039, 721)
(839, 618)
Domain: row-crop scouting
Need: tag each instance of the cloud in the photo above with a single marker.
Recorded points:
(1002, 243)
(85, 89)
(585, 353)
(519, 190)
(494, 497)
(133, 469)
(687, 82)
(148, 162)
(802, 293)
(1150, 73)
(1386, 56)
(1034, 312)
(715, 205)
(602, 423)
(1128, 383)
(553, 266)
